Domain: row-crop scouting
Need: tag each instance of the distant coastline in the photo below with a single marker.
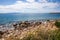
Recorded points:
(55, 12)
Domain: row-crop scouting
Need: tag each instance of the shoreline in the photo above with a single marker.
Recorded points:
(27, 20)
(10, 25)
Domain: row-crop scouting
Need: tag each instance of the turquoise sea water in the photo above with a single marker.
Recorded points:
(11, 17)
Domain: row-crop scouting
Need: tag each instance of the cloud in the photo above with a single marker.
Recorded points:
(29, 7)
(30, 0)
(43, 1)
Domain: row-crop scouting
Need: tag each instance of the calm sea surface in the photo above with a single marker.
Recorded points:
(11, 17)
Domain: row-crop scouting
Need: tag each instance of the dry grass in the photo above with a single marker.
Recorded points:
(38, 32)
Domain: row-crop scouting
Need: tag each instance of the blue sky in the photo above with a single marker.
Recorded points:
(9, 2)
(29, 6)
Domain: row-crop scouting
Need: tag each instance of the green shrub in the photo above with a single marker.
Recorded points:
(57, 24)
(55, 35)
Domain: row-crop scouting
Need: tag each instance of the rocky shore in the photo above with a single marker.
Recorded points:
(20, 29)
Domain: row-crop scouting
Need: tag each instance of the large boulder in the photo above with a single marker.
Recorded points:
(15, 26)
(24, 24)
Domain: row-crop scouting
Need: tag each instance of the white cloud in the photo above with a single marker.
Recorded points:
(30, 0)
(43, 1)
(26, 7)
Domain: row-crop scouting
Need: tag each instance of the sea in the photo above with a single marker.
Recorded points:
(13, 17)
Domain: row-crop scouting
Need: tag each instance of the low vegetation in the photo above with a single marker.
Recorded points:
(51, 35)
(39, 33)
(57, 24)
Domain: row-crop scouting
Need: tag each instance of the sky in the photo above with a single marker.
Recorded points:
(29, 6)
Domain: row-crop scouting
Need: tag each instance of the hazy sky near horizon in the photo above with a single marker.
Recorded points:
(29, 6)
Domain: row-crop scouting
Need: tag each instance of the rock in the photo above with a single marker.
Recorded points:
(24, 24)
(1, 33)
(15, 26)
